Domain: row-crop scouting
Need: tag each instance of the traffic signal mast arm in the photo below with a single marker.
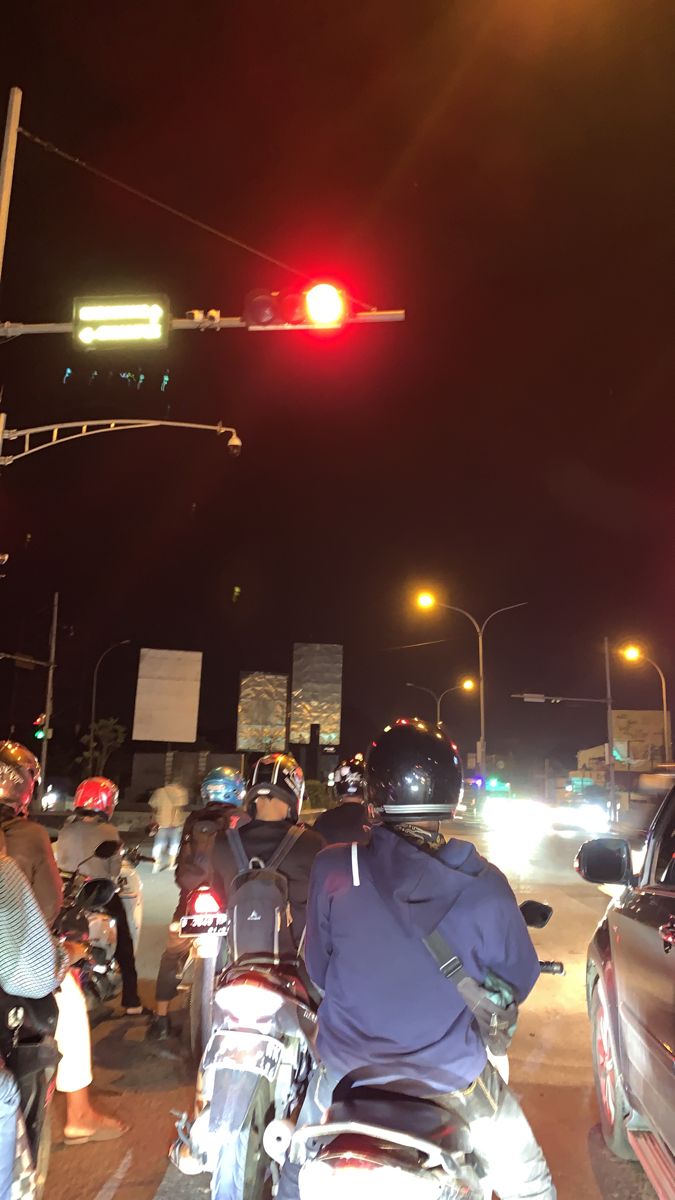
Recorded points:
(203, 321)
(540, 698)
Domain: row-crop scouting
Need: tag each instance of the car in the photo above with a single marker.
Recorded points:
(630, 985)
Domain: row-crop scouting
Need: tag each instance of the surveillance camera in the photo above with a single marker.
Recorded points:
(234, 445)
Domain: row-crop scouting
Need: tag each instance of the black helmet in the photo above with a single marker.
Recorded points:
(350, 778)
(413, 771)
(281, 776)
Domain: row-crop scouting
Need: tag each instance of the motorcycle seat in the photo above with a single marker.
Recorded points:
(406, 1114)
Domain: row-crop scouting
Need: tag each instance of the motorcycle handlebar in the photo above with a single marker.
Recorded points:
(551, 967)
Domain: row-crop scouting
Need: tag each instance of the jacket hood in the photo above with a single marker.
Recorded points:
(426, 885)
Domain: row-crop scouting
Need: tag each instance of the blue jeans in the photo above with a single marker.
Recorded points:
(9, 1107)
(166, 843)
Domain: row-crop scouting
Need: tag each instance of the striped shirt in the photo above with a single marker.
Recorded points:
(32, 963)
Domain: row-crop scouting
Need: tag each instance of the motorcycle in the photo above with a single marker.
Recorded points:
(253, 1073)
(100, 975)
(29, 1047)
(373, 1141)
(205, 926)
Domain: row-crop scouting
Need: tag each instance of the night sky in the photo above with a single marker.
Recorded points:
(504, 170)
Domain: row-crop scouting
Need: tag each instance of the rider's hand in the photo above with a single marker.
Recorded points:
(75, 950)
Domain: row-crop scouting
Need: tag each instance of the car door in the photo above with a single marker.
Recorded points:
(641, 925)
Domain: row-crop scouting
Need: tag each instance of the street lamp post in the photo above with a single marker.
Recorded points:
(94, 687)
(427, 600)
(467, 685)
(634, 654)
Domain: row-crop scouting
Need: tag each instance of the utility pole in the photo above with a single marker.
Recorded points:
(610, 735)
(7, 164)
(49, 700)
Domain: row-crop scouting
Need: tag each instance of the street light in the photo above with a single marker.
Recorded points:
(467, 685)
(126, 642)
(635, 654)
(427, 600)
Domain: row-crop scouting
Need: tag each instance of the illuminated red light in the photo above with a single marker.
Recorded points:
(203, 901)
(325, 304)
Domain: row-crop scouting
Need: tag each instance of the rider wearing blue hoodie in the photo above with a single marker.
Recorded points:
(389, 1015)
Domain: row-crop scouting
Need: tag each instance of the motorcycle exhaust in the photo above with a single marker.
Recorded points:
(277, 1139)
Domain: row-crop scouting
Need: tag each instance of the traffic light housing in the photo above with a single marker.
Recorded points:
(39, 727)
(319, 306)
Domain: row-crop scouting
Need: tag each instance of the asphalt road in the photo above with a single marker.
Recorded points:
(550, 1059)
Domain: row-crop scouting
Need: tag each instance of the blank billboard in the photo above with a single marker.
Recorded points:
(167, 696)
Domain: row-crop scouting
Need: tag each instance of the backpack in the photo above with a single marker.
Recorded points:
(259, 906)
(194, 862)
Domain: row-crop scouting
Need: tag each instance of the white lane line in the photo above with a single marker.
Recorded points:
(111, 1185)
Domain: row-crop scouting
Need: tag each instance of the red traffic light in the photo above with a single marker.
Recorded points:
(321, 306)
(325, 305)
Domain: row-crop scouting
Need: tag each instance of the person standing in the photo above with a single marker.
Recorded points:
(28, 844)
(169, 805)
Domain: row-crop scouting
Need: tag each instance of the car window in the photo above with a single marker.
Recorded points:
(664, 869)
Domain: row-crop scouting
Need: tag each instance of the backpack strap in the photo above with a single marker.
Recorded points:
(284, 848)
(237, 848)
(449, 964)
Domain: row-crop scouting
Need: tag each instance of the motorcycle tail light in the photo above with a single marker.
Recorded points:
(249, 1004)
(363, 1178)
(203, 902)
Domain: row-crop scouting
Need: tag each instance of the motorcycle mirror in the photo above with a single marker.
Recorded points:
(107, 850)
(536, 914)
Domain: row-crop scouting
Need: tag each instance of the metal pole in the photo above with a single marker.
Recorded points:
(667, 740)
(94, 688)
(7, 164)
(438, 710)
(92, 719)
(49, 699)
(610, 734)
(481, 687)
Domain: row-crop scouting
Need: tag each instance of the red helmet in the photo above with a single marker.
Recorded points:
(97, 795)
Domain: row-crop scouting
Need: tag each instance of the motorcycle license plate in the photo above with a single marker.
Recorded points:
(203, 923)
(239, 1050)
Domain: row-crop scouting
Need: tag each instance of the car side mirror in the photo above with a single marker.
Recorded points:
(605, 860)
(535, 914)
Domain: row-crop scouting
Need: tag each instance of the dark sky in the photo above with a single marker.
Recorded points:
(504, 170)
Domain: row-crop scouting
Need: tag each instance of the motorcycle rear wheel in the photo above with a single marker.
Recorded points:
(243, 1170)
(199, 1014)
(43, 1156)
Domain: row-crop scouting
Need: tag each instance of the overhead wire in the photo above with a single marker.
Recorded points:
(169, 208)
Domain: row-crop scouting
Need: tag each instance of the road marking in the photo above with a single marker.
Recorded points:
(111, 1185)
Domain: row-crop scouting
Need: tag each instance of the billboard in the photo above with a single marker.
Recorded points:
(641, 731)
(316, 692)
(262, 714)
(167, 696)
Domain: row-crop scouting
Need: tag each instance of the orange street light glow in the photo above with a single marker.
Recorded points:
(426, 600)
(632, 653)
(468, 685)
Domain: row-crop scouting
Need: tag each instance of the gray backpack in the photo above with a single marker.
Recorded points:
(259, 906)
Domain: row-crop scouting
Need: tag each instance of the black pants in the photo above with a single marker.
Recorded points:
(125, 954)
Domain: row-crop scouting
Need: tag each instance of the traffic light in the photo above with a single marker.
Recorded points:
(320, 306)
(39, 727)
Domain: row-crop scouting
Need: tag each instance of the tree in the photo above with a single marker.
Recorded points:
(106, 735)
